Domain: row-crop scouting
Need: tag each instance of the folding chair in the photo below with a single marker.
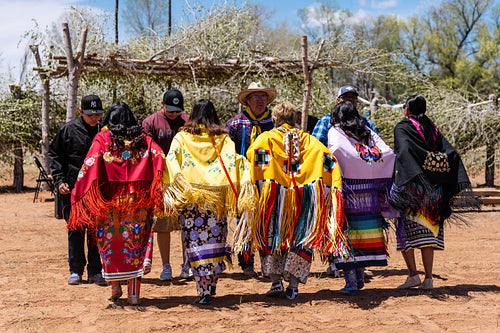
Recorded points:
(42, 177)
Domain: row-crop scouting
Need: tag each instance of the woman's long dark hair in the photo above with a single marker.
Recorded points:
(347, 117)
(123, 125)
(417, 107)
(203, 113)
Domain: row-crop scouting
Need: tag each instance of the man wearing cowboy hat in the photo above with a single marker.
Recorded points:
(255, 119)
(245, 127)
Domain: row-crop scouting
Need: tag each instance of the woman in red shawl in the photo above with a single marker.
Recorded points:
(117, 191)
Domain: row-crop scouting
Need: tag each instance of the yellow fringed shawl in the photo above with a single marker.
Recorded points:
(311, 158)
(308, 206)
(194, 175)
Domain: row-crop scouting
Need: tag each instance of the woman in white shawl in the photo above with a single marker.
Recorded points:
(366, 165)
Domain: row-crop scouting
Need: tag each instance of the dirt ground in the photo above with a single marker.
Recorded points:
(35, 296)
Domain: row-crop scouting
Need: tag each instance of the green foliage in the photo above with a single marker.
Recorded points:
(20, 120)
(456, 44)
(449, 54)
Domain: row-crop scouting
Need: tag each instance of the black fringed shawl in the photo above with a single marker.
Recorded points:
(437, 194)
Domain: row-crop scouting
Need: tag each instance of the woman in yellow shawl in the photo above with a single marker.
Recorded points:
(205, 180)
(300, 208)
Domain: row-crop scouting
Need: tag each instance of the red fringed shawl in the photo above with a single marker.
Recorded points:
(124, 179)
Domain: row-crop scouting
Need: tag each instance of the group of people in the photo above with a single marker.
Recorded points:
(291, 193)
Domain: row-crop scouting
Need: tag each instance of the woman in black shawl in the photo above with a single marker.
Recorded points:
(430, 185)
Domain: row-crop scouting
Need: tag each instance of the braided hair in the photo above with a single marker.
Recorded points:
(123, 125)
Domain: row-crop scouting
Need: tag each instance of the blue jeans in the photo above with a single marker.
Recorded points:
(76, 245)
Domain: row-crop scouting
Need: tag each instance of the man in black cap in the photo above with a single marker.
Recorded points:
(67, 152)
(162, 126)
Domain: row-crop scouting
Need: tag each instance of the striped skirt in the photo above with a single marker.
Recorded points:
(413, 235)
(366, 234)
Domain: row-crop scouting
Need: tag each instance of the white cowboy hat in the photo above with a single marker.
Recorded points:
(256, 87)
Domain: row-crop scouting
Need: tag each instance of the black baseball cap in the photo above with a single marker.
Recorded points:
(173, 101)
(91, 104)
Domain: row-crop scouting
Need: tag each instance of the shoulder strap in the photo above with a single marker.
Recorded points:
(225, 170)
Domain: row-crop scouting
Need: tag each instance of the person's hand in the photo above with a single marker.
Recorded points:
(64, 188)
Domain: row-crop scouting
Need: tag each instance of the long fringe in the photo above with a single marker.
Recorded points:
(440, 204)
(248, 209)
(124, 197)
(316, 222)
(180, 193)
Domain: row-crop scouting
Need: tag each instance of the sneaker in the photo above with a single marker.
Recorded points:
(74, 279)
(411, 281)
(166, 273)
(427, 284)
(292, 293)
(277, 289)
(249, 271)
(98, 279)
(186, 272)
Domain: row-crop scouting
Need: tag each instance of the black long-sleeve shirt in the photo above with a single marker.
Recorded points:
(68, 150)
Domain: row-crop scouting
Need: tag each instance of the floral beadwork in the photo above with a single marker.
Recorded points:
(436, 162)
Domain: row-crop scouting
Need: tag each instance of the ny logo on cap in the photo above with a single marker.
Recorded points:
(93, 104)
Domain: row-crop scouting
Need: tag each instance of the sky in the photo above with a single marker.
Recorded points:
(18, 16)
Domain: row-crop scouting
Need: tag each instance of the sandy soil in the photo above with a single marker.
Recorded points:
(35, 296)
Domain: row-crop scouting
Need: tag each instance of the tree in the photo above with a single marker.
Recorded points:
(447, 41)
(117, 2)
(323, 20)
(146, 17)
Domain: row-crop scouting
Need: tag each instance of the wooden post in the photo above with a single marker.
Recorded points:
(18, 182)
(17, 148)
(116, 21)
(489, 171)
(307, 80)
(45, 110)
(75, 67)
(307, 85)
(373, 107)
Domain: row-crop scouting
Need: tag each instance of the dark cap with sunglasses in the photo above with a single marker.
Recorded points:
(173, 101)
